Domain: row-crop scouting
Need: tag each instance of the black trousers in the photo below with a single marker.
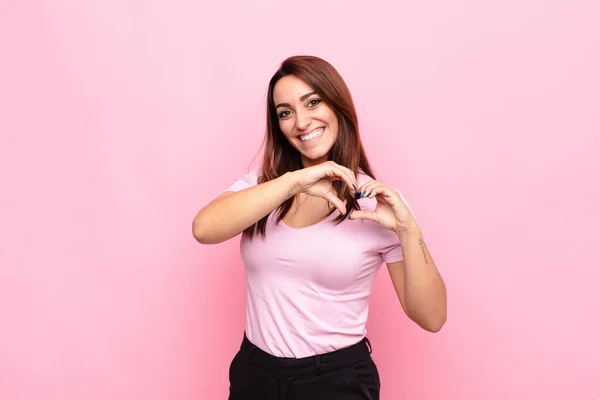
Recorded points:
(348, 374)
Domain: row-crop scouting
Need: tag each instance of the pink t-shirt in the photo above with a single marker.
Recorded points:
(308, 289)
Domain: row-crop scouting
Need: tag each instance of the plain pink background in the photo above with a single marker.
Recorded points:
(120, 119)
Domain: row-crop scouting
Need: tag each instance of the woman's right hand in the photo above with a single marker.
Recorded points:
(317, 181)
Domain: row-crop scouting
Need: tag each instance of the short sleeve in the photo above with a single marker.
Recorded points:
(391, 251)
(244, 182)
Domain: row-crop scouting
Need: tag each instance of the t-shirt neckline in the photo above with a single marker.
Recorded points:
(324, 220)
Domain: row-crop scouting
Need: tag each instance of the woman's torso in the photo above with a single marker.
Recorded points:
(308, 281)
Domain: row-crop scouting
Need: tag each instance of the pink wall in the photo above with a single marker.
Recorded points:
(120, 119)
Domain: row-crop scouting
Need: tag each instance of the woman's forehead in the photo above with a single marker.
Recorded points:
(290, 88)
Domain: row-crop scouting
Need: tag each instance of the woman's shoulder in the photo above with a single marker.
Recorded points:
(254, 174)
(248, 179)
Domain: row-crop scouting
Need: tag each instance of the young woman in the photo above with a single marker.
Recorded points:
(316, 228)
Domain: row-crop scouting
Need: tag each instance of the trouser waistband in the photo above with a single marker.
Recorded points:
(307, 365)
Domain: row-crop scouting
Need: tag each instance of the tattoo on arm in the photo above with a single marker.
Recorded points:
(422, 244)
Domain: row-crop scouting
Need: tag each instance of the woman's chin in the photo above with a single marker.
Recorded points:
(313, 159)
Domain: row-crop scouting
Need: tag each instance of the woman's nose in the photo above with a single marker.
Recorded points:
(302, 121)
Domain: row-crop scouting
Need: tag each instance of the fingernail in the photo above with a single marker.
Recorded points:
(363, 194)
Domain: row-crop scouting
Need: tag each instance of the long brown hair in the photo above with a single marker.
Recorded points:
(281, 157)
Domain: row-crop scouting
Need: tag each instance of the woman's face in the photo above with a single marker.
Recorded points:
(307, 122)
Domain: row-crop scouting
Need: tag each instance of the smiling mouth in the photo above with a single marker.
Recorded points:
(313, 135)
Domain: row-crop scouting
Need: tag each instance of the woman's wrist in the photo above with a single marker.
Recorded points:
(291, 182)
(409, 231)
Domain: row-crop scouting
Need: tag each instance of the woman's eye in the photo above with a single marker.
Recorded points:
(283, 114)
(314, 102)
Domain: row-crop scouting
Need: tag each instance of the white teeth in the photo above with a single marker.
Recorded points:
(312, 135)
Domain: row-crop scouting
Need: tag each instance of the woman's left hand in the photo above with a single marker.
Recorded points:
(390, 212)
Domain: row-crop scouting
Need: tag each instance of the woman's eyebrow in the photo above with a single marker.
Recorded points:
(302, 98)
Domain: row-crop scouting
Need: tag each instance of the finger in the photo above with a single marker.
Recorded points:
(368, 187)
(386, 194)
(346, 174)
(349, 174)
(333, 199)
(368, 215)
(336, 172)
(378, 190)
(364, 189)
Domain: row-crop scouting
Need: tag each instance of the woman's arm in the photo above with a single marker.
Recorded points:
(418, 283)
(232, 212)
